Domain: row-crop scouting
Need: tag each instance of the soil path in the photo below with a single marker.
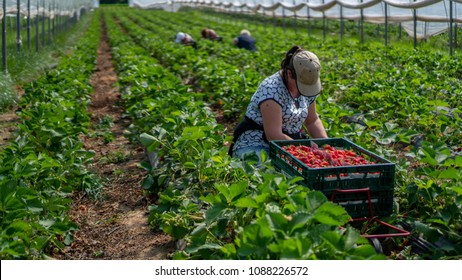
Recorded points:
(8, 122)
(115, 226)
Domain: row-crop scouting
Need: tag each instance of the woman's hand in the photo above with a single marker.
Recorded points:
(314, 124)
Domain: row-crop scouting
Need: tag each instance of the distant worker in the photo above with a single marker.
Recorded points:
(185, 39)
(210, 34)
(245, 41)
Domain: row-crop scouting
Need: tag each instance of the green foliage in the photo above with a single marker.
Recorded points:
(46, 162)
(398, 102)
(8, 97)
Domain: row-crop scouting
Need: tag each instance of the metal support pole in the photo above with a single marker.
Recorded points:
(18, 26)
(451, 22)
(361, 26)
(342, 23)
(415, 28)
(274, 21)
(37, 42)
(58, 17)
(284, 19)
(53, 21)
(28, 25)
(49, 23)
(386, 24)
(4, 66)
(308, 19)
(43, 24)
(455, 36)
(273, 13)
(248, 17)
(235, 15)
(324, 25)
(255, 15)
(295, 19)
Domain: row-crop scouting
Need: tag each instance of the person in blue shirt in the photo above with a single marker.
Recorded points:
(245, 41)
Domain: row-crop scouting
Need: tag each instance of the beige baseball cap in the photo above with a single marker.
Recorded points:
(308, 70)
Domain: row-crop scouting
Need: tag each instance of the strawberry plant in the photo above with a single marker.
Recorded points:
(47, 161)
(390, 100)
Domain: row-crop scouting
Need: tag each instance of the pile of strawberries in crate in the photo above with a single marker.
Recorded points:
(327, 156)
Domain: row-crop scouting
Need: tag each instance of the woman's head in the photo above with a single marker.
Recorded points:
(305, 68)
(245, 32)
(205, 33)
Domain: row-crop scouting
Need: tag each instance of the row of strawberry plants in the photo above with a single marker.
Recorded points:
(221, 207)
(207, 67)
(423, 84)
(47, 160)
(386, 129)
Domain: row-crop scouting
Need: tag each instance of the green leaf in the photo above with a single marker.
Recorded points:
(457, 189)
(331, 214)
(190, 165)
(315, 199)
(229, 250)
(68, 239)
(246, 202)
(176, 231)
(277, 221)
(18, 226)
(458, 161)
(291, 249)
(147, 182)
(334, 239)
(147, 140)
(217, 159)
(299, 220)
(49, 163)
(215, 211)
(450, 173)
(440, 157)
(200, 229)
(47, 223)
(206, 246)
(390, 126)
(372, 123)
(351, 238)
(193, 133)
(384, 138)
(237, 189)
(223, 189)
(368, 251)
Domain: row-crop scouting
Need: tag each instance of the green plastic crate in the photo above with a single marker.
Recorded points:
(378, 177)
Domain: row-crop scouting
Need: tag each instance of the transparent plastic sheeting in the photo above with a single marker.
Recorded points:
(432, 16)
(47, 8)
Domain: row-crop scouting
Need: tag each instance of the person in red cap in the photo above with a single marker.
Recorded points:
(210, 34)
(185, 39)
(283, 103)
